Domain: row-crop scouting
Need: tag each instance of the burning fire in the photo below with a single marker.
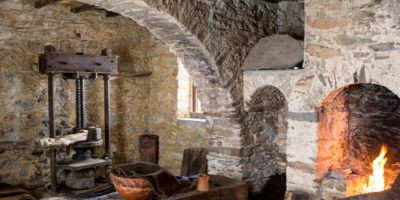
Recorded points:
(377, 180)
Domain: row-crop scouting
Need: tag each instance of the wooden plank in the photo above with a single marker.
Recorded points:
(194, 161)
(43, 3)
(66, 63)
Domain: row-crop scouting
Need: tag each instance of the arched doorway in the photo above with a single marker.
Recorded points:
(266, 138)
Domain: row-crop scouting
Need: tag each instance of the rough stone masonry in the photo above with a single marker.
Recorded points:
(138, 105)
(346, 42)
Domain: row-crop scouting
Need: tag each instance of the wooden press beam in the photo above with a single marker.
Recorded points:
(65, 63)
(43, 3)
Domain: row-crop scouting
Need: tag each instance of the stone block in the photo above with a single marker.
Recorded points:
(333, 195)
(323, 52)
(384, 47)
(328, 183)
(293, 195)
(301, 166)
(335, 188)
(81, 179)
(279, 51)
(329, 24)
(340, 174)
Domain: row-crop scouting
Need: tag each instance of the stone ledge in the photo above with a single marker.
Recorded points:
(191, 120)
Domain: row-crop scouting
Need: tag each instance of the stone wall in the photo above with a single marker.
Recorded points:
(340, 50)
(228, 30)
(217, 103)
(138, 105)
(212, 39)
(291, 18)
(346, 42)
(184, 90)
(191, 133)
(24, 33)
(351, 42)
(174, 135)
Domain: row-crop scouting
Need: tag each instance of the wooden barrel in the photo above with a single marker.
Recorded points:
(148, 148)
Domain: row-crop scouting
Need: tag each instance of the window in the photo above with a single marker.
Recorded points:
(189, 105)
(196, 111)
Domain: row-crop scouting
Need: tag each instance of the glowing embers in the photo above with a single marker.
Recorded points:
(376, 182)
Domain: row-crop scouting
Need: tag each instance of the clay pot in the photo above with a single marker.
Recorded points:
(203, 184)
(132, 188)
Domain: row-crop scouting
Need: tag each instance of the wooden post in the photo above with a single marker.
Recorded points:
(52, 133)
(107, 130)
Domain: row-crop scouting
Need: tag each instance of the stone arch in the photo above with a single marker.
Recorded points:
(213, 51)
(354, 122)
(265, 136)
(181, 42)
(214, 92)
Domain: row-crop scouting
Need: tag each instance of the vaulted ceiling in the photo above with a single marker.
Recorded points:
(77, 7)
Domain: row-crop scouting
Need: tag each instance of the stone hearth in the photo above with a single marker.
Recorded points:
(354, 122)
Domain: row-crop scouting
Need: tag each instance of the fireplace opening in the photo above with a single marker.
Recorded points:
(355, 123)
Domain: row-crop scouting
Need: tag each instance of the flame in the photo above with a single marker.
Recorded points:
(377, 180)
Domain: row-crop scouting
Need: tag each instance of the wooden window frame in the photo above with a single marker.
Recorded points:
(196, 110)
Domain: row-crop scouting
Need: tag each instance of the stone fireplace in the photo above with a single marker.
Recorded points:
(354, 122)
